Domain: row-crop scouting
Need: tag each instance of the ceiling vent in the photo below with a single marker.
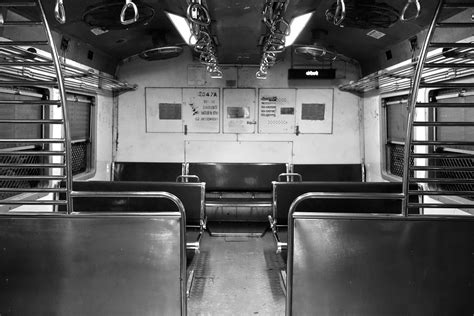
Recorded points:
(161, 48)
(107, 15)
(320, 51)
(160, 53)
(366, 14)
(316, 53)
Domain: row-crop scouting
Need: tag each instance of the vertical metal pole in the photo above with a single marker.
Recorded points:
(62, 93)
(412, 107)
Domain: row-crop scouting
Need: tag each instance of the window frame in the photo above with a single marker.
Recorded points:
(432, 134)
(385, 168)
(73, 95)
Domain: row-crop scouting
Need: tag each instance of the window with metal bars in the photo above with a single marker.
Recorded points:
(395, 126)
(12, 163)
(457, 156)
(80, 110)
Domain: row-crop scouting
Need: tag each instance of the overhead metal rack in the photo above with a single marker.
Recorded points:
(442, 65)
(27, 64)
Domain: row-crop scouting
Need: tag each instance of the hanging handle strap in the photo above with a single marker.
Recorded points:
(198, 14)
(129, 4)
(340, 13)
(417, 5)
(59, 12)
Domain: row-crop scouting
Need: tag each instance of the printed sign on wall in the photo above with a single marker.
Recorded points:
(314, 110)
(201, 110)
(276, 111)
(163, 110)
(239, 111)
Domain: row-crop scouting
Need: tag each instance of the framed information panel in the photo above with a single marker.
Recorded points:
(163, 110)
(314, 108)
(276, 111)
(239, 110)
(201, 110)
(168, 110)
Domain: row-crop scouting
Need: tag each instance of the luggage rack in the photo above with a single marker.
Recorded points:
(438, 68)
(23, 62)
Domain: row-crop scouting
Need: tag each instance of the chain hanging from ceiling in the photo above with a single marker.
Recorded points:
(199, 21)
(277, 31)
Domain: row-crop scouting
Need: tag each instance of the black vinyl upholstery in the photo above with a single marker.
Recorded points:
(339, 172)
(286, 192)
(190, 194)
(147, 171)
(237, 177)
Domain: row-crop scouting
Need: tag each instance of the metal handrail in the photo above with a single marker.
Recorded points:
(291, 175)
(62, 94)
(412, 105)
(186, 177)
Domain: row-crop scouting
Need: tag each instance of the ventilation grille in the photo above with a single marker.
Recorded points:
(160, 53)
(79, 156)
(18, 184)
(468, 161)
(396, 159)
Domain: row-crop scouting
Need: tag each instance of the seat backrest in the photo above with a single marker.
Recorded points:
(380, 265)
(237, 177)
(284, 193)
(190, 194)
(147, 171)
(339, 172)
(104, 264)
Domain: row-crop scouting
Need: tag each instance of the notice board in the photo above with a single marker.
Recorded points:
(276, 111)
(239, 110)
(201, 110)
(163, 110)
(170, 110)
(314, 110)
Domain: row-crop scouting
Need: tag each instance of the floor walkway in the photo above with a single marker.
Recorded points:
(237, 276)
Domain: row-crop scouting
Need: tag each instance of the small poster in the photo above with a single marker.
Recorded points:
(314, 109)
(239, 111)
(201, 110)
(163, 110)
(276, 111)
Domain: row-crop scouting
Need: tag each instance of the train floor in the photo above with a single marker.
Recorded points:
(237, 275)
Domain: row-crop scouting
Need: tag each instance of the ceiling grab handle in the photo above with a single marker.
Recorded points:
(59, 12)
(129, 4)
(198, 14)
(340, 13)
(417, 5)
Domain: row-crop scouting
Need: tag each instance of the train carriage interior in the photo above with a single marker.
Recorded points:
(248, 157)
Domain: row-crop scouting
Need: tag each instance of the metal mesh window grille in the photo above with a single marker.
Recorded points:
(395, 159)
(80, 157)
(467, 161)
(14, 171)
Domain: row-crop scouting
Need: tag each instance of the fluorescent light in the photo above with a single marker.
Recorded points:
(296, 26)
(182, 25)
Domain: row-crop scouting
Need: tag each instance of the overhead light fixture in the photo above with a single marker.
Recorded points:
(182, 25)
(296, 26)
